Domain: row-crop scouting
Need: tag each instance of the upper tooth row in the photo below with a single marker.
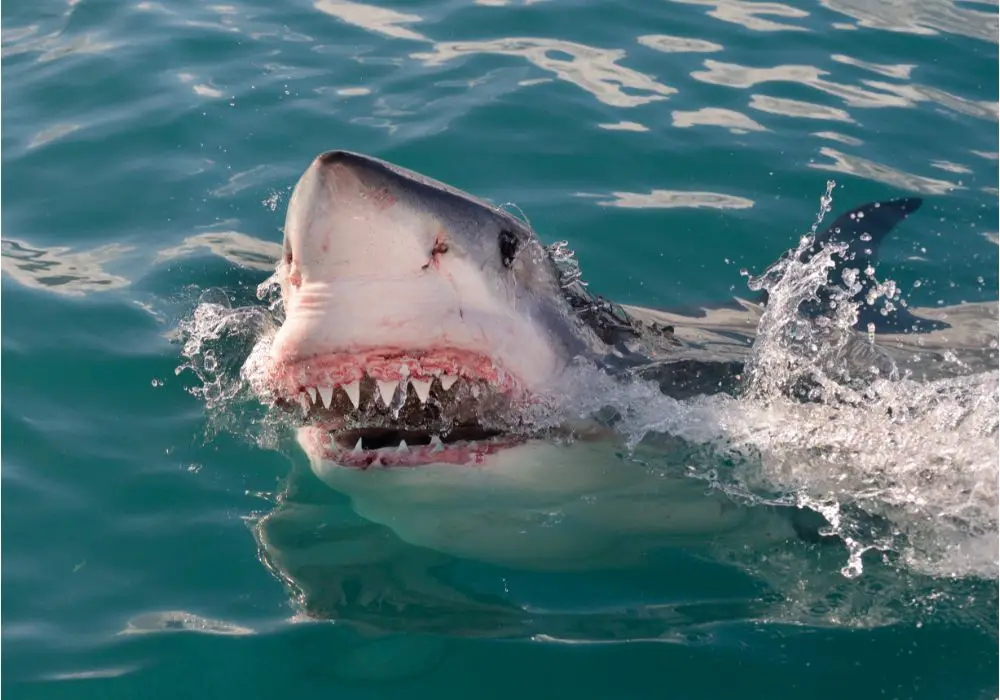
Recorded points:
(386, 389)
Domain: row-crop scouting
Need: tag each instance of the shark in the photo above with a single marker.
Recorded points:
(425, 326)
(429, 353)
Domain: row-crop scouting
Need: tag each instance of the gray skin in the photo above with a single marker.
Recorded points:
(379, 262)
(363, 238)
(378, 256)
(538, 286)
(352, 217)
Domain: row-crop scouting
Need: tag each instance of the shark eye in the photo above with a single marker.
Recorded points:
(508, 248)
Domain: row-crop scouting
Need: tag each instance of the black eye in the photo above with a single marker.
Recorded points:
(508, 248)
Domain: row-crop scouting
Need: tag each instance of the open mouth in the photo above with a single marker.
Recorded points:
(402, 409)
(379, 447)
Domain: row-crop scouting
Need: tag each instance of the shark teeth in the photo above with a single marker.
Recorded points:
(326, 393)
(422, 387)
(385, 389)
(436, 445)
(353, 391)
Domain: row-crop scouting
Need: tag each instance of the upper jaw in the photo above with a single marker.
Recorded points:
(392, 387)
(419, 403)
(404, 411)
(343, 338)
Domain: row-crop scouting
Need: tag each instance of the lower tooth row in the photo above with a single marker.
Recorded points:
(436, 445)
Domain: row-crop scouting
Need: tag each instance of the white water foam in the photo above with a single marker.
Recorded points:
(825, 420)
(828, 422)
(920, 456)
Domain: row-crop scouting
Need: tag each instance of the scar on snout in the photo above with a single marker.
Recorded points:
(439, 249)
(383, 198)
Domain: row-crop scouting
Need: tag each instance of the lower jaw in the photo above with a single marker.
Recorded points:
(321, 444)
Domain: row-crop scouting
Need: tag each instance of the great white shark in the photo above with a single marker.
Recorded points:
(420, 321)
(424, 332)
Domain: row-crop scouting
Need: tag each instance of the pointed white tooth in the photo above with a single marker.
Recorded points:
(423, 388)
(304, 400)
(311, 390)
(357, 446)
(387, 389)
(326, 393)
(436, 444)
(402, 447)
(353, 391)
(447, 381)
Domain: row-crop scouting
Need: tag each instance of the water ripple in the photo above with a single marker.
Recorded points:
(863, 167)
(928, 17)
(592, 69)
(672, 199)
(373, 19)
(798, 108)
(751, 14)
(735, 122)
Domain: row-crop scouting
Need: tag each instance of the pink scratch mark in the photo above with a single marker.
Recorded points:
(383, 199)
(439, 249)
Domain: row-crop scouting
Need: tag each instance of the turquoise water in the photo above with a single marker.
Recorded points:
(148, 152)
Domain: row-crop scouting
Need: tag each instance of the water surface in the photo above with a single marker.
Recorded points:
(149, 150)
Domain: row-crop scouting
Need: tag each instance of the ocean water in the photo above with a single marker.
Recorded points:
(165, 538)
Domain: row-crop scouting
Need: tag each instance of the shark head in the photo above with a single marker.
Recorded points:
(418, 319)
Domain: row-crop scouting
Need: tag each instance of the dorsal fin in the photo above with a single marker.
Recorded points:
(876, 219)
(863, 229)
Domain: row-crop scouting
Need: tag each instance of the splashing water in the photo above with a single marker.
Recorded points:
(825, 419)
(218, 341)
(921, 457)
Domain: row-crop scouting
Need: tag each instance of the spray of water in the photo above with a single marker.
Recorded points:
(825, 420)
